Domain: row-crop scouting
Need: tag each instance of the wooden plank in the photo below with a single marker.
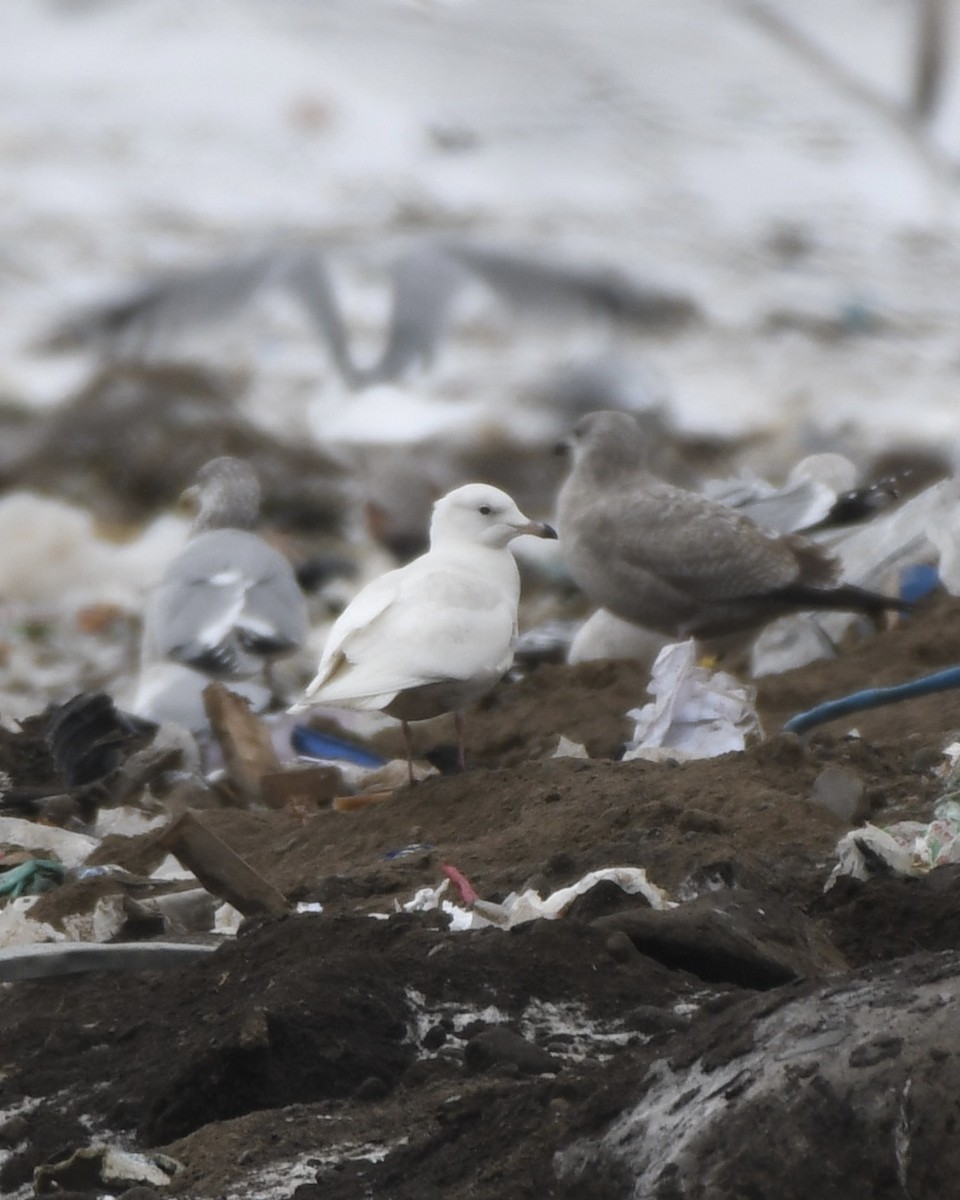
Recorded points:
(220, 869)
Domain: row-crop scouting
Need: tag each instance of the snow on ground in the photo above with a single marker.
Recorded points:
(680, 140)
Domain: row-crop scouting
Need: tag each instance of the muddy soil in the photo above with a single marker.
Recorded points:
(332, 1054)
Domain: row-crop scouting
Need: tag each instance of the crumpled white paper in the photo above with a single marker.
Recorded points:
(695, 713)
(529, 905)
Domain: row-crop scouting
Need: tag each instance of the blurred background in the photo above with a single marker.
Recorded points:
(383, 247)
(790, 170)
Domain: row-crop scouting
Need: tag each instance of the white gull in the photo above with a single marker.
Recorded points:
(434, 635)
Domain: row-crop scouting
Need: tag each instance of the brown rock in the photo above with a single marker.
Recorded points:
(731, 937)
(840, 791)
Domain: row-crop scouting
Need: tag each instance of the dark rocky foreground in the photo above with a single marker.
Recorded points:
(763, 1039)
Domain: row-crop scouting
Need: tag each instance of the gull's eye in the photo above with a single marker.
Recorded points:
(485, 510)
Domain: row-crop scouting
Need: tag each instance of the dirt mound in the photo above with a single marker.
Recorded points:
(340, 1055)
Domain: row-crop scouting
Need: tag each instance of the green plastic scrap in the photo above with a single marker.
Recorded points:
(32, 877)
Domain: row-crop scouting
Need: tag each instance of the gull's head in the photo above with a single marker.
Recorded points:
(609, 439)
(482, 514)
(226, 495)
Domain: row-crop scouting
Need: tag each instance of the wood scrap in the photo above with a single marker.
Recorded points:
(220, 869)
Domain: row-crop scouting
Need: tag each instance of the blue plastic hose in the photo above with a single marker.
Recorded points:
(941, 681)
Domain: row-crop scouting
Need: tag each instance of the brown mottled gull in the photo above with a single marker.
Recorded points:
(434, 635)
(675, 561)
(229, 603)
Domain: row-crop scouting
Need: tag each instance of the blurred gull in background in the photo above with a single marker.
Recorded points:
(426, 283)
(228, 604)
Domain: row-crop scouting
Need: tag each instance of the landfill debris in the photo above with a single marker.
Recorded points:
(89, 737)
(529, 905)
(840, 791)
(301, 787)
(365, 777)
(129, 820)
(923, 530)
(43, 960)
(567, 748)
(220, 869)
(409, 851)
(100, 923)
(364, 787)
(192, 911)
(168, 692)
(918, 581)
(830, 710)
(248, 751)
(461, 883)
(69, 847)
(314, 743)
(30, 876)
(604, 635)
(870, 850)
(100, 758)
(695, 713)
(52, 549)
(807, 496)
(909, 848)
(904, 848)
(105, 1167)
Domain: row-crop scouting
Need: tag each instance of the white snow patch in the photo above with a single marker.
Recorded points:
(539, 1022)
(279, 1179)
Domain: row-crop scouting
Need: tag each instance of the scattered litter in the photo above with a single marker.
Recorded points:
(105, 1166)
(42, 960)
(461, 883)
(918, 581)
(520, 907)
(192, 911)
(920, 532)
(220, 869)
(228, 920)
(168, 692)
(362, 800)
(695, 713)
(407, 851)
(70, 848)
(906, 847)
(101, 923)
(128, 821)
(245, 741)
(604, 635)
(840, 790)
(567, 748)
(380, 782)
(312, 743)
(31, 877)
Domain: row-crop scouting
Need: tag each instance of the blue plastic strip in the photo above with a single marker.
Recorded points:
(941, 681)
(311, 743)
